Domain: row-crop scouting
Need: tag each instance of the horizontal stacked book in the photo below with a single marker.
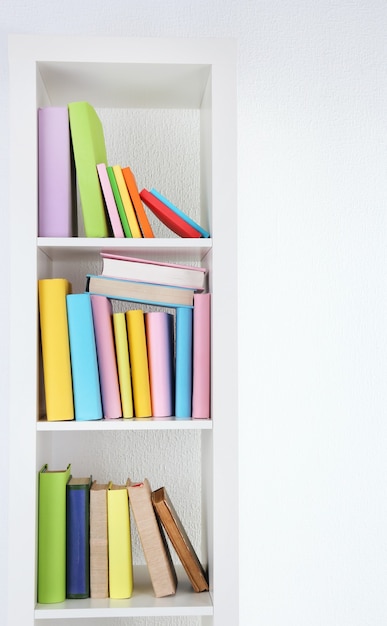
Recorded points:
(72, 155)
(105, 363)
(85, 538)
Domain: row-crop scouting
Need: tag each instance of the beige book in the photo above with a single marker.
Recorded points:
(99, 572)
(154, 545)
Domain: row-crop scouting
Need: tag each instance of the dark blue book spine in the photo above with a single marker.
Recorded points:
(77, 540)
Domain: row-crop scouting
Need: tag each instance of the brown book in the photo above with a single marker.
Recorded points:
(99, 572)
(154, 545)
(179, 539)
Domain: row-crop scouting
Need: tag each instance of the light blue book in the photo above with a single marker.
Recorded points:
(83, 353)
(180, 213)
(183, 365)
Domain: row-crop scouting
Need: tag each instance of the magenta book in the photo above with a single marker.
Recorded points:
(201, 380)
(159, 338)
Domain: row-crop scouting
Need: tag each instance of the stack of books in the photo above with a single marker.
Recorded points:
(102, 363)
(71, 150)
(85, 538)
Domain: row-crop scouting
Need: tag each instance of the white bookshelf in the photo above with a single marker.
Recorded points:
(126, 74)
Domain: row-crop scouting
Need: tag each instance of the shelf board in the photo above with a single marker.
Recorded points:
(142, 603)
(57, 249)
(126, 424)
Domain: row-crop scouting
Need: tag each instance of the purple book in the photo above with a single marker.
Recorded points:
(55, 173)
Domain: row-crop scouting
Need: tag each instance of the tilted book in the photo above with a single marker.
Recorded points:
(89, 149)
(201, 373)
(139, 363)
(183, 366)
(184, 216)
(179, 539)
(77, 537)
(119, 542)
(156, 551)
(52, 535)
(142, 217)
(99, 566)
(118, 201)
(84, 362)
(106, 352)
(127, 202)
(55, 345)
(110, 202)
(160, 347)
(123, 363)
(168, 217)
(56, 179)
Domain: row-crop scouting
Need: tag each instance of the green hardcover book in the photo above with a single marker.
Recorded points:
(89, 149)
(119, 203)
(52, 535)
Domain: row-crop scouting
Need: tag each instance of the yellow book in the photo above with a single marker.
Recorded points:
(135, 322)
(127, 202)
(123, 363)
(119, 542)
(55, 348)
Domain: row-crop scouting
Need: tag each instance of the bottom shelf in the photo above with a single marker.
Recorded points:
(142, 603)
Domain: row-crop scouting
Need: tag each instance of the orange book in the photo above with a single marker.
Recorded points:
(127, 202)
(142, 217)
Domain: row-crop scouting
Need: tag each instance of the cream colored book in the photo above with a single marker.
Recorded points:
(157, 555)
(99, 563)
(119, 542)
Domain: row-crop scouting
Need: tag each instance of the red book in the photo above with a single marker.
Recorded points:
(168, 217)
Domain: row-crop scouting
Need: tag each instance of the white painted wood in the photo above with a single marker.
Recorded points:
(149, 73)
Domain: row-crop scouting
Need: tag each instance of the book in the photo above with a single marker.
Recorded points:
(168, 217)
(55, 346)
(201, 351)
(56, 177)
(184, 216)
(106, 352)
(110, 203)
(123, 363)
(156, 551)
(83, 355)
(52, 534)
(178, 536)
(144, 270)
(119, 203)
(119, 542)
(183, 365)
(160, 347)
(99, 567)
(127, 202)
(89, 148)
(142, 217)
(139, 363)
(77, 537)
(135, 291)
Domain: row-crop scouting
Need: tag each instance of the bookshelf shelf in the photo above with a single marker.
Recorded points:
(142, 81)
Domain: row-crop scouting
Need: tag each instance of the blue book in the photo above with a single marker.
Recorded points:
(77, 537)
(83, 354)
(183, 365)
(184, 216)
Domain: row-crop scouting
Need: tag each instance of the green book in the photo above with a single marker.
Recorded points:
(119, 203)
(89, 149)
(52, 535)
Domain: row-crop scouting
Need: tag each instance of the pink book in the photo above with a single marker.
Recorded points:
(107, 364)
(56, 194)
(201, 381)
(159, 338)
(110, 201)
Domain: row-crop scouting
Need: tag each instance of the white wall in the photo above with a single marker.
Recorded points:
(312, 236)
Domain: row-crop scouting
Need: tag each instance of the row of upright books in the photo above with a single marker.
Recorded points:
(72, 155)
(99, 362)
(85, 538)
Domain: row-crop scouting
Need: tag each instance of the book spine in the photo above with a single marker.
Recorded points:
(84, 363)
(142, 217)
(119, 203)
(127, 202)
(110, 202)
(55, 173)
(201, 380)
(55, 346)
(123, 363)
(170, 219)
(183, 368)
(52, 536)
(159, 340)
(77, 541)
(184, 216)
(119, 542)
(99, 568)
(139, 363)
